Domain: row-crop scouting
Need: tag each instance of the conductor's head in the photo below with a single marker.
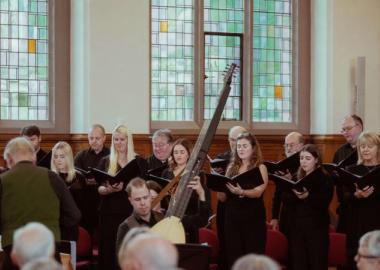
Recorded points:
(19, 149)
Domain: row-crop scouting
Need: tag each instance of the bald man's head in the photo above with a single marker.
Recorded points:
(149, 251)
(233, 134)
(19, 149)
(293, 143)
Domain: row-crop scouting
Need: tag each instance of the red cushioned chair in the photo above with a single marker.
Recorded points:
(84, 250)
(210, 237)
(277, 247)
(337, 250)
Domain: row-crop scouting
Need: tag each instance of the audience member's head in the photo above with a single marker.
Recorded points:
(33, 134)
(293, 143)
(255, 262)
(96, 137)
(233, 133)
(368, 256)
(19, 149)
(148, 251)
(30, 242)
(139, 197)
(162, 140)
(43, 264)
(352, 126)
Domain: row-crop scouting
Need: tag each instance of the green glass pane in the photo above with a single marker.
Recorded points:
(270, 6)
(42, 60)
(23, 100)
(42, 73)
(42, 33)
(41, 20)
(33, 6)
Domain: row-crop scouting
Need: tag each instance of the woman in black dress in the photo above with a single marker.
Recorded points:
(245, 228)
(308, 213)
(62, 163)
(114, 204)
(363, 204)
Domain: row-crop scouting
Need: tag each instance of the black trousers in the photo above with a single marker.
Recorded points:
(108, 225)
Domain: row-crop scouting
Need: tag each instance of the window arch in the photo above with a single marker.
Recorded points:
(194, 40)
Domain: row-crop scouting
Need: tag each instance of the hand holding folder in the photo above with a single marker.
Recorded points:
(290, 164)
(87, 174)
(247, 180)
(354, 181)
(306, 182)
(130, 171)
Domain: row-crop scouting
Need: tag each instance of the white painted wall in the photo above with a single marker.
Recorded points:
(115, 44)
(342, 31)
(110, 63)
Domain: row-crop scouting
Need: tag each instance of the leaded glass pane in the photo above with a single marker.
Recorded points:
(272, 67)
(24, 59)
(216, 60)
(224, 16)
(172, 52)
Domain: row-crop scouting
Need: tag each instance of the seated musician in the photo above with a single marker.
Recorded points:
(144, 215)
(177, 163)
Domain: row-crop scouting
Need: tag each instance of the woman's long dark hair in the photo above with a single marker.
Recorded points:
(256, 157)
(314, 151)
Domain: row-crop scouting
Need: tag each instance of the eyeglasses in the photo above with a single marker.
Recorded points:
(369, 257)
(290, 145)
(347, 129)
(160, 145)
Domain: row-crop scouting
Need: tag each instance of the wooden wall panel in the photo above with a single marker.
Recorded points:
(271, 145)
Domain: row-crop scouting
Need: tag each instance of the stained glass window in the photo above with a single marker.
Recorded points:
(221, 50)
(172, 64)
(24, 60)
(225, 30)
(272, 61)
(225, 16)
(222, 16)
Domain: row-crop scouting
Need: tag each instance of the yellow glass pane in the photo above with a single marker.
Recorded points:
(32, 46)
(278, 91)
(163, 26)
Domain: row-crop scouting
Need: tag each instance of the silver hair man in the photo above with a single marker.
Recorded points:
(255, 262)
(148, 251)
(32, 241)
(368, 256)
(43, 264)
